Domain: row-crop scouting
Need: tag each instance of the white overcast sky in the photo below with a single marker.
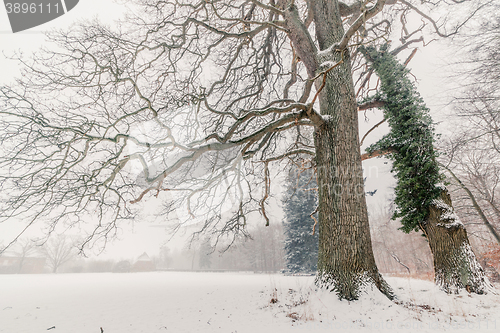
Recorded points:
(142, 238)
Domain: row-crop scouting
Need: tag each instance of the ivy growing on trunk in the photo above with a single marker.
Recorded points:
(410, 140)
(422, 203)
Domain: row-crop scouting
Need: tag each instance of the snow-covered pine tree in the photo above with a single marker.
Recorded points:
(423, 203)
(301, 246)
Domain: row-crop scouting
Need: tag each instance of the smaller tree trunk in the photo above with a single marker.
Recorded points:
(455, 264)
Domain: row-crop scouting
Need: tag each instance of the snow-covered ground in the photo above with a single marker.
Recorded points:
(229, 302)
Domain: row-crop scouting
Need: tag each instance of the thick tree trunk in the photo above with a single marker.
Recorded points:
(455, 264)
(345, 259)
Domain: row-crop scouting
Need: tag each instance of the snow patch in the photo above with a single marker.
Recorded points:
(470, 265)
(448, 215)
(439, 203)
(475, 267)
(327, 118)
(328, 64)
(328, 282)
(421, 307)
(326, 52)
(441, 186)
(230, 302)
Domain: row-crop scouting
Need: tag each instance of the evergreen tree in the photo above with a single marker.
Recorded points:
(301, 246)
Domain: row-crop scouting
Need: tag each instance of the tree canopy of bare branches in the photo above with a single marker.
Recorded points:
(195, 103)
(472, 154)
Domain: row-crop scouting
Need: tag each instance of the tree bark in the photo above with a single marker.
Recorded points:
(455, 264)
(345, 259)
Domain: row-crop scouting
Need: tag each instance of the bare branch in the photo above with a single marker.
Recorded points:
(371, 105)
(363, 17)
(301, 39)
(290, 153)
(268, 7)
(474, 203)
(434, 23)
(347, 10)
(371, 129)
(406, 45)
(376, 153)
(315, 219)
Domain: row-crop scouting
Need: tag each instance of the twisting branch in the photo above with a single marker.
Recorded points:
(268, 7)
(376, 153)
(408, 59)
(360, 21)
(323, 82)
(399, 262)
(371, 105)
(302, 41)
(404, 46)
(293, 78)
(434, 23)
(290, 153)
(371, 129)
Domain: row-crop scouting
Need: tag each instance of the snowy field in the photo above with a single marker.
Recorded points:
(228, 302)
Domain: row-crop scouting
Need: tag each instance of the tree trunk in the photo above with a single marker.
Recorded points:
(345, 259)
(455, 264)
(417, 171)
(345, 256)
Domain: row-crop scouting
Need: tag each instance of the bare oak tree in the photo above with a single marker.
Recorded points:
(472, 154)
(58, 251)
(195, 103)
